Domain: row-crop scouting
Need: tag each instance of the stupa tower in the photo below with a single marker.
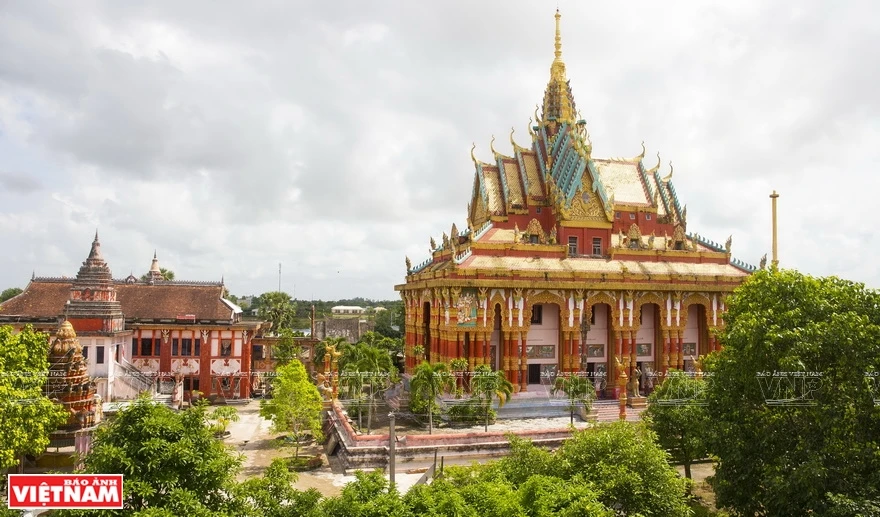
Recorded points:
(69, 384)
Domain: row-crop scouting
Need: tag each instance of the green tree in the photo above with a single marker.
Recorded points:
(626, 467)
(9, 293)
(273, 494)
(578, 390)
(219, 418)
(285, 349)
(428, 382)
(806, 441)
(487, 384)
(370, 495)
(277, 308)
(167, 275)
(295, 406)
(26, 416)
(368, 368)
(171, 461)
(677, 414)
(384, 321)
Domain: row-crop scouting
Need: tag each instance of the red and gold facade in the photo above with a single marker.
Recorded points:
(570, 263)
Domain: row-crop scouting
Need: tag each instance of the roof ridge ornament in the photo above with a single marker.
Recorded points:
(532, 131)
(668, 177)
(639, 157)
(492, 146)
(473, 157)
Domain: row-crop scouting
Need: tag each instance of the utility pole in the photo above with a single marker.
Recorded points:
(774, 196)
(391, 447)
(279, 277)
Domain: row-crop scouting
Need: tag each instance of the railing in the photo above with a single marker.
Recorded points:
(461, 257)
(141, 382)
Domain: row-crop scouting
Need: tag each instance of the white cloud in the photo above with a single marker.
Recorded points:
(335, 138)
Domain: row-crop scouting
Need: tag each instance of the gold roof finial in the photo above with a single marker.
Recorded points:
(473, 157)
(643, 151)
(537, 118)
(531, 131)
(492, 146)
(558, 45)
(557, 70)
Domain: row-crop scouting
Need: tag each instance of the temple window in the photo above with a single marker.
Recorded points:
(632, 216)
(258, 351)
(157, 347)
(197, 351)
(617, 215)
(533, 239)
(597, 245)
(226, 347)
(593, 316)
(146, 346)
(538, 210)
(86, 353)
(99, 355)
(647, 217)
(175, 346)
(537, 314)
(186, 347)
(134, 347)
(572, 246)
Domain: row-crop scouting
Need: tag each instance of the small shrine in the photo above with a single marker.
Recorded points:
(68, 384)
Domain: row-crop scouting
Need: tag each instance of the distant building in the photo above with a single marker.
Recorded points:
(144, 335)
(347, 310)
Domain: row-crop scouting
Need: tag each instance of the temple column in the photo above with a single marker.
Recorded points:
(576, 352)
(615, 356)
(245, 386)
(564, 352)
(678, 350)
(524, 361)
(664, 364)
(461, 337)
(506, 358)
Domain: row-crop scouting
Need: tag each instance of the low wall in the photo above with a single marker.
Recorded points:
(371, 451)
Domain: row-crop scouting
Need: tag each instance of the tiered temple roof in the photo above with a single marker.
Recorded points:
(94, 293)
(526, 208)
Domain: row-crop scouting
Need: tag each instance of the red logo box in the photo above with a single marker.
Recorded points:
(61, 491)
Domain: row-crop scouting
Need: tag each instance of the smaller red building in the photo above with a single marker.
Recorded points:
(146, 333)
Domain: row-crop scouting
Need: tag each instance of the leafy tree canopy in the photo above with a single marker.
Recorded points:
(277, 308)
(795, 422)
(171, 461)
(677, 413)
(9, 293)
(296, 404)
(26, 416)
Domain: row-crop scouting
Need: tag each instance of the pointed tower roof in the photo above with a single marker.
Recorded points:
(155, 273)
(558, 100)
(94, 270)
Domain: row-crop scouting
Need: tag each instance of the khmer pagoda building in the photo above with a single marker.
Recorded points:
(570, 263)
(144, 334)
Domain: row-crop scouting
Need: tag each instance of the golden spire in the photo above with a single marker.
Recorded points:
(558, 100)
(558, 44)
(557, 69)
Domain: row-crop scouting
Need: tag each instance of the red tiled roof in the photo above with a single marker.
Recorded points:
(46, 299)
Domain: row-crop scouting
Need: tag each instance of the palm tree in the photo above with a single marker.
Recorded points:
(486, 384)
(277, 308)
(428, 382)
(578, 389)
(373, 367)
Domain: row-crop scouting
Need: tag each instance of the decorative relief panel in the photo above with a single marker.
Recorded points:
(225, 366)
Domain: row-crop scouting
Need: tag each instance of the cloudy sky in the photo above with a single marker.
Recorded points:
(334, 137)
